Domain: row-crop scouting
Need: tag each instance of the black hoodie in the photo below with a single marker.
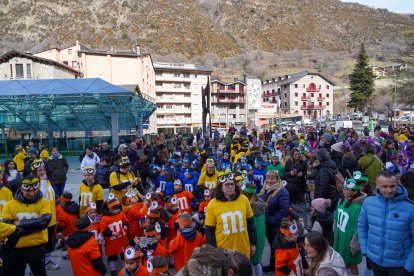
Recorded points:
(71, 208)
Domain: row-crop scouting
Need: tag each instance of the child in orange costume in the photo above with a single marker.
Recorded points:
(187, 239)
(184, 197)
(95, 218)
(113, 226)
(154, 216)
(135, 211)
(149, 244)
(286, 249)
(133, 265)
(203, 206)
(174, 213)
(158, 266)
(85, 257)
(67, 213)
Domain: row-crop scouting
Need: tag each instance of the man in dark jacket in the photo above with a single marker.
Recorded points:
(60, 167)
(325, 181)
(106, 151)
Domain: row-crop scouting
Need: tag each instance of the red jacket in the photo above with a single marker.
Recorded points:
(66, 217)
(134, 214)
(183, 248)
(288, 258)
(82, 250)
(114, 244)
(172, 233)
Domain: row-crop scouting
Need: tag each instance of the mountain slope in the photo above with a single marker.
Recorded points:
(190, 27)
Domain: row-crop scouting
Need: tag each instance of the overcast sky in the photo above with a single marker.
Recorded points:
(398, 6)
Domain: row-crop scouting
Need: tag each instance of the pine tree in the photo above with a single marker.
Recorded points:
(362, 81)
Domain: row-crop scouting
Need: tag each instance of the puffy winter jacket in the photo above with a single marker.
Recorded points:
(325, 183)
(277, 209)
(296, 185)
(386, 230)
(351, 166)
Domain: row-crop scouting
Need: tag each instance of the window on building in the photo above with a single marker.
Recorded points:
(311, 94)
(19, 70)
(278, 90)
(304, 85)
(11, 71)
(74, 63)
(159, 106)
(65, 62)
(195, 76)
(327, 103)
(158, 74)
(296, 85)
(327, 87)
(28, 70)
(69, 51)
(274, 98)
(296, 94)
(273, 91)
(327, 95)
(168, 107)
(285, 104)
(177, 85)
(285, 95)
(303, 94)
(320, 86)
(187, 76)
(296, 103)
(176, 75)
(187, 86)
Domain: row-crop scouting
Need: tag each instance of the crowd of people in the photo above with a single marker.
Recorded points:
(324, 200)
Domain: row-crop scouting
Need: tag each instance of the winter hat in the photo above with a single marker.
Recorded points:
(132, 254)
(337, 146)
(83, 223)
(320, 204)
(32, 151)
(389, 166)
(66, 196)
(123, 146)
(327, 136)
(157, 265)
(352, 184)
(90, 207)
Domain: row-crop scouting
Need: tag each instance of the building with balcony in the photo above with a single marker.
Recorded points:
(178, 96)
(304, 93)
(228, 103)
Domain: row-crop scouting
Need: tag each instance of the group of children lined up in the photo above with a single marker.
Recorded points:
(154, 225)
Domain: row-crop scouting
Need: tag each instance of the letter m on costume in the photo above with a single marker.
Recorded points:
(230, 220)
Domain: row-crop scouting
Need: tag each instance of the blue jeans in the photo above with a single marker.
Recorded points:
(59, 188)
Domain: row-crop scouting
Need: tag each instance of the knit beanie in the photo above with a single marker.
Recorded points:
(320, 204)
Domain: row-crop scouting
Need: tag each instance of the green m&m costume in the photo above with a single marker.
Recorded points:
(346, 219)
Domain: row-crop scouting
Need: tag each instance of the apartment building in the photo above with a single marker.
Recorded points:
(303, 93)
(228, 103)
(178, 96)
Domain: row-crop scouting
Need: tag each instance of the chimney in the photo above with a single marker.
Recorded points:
(138, 49)
(245, 78)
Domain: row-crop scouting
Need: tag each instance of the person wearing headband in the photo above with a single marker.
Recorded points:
(38, 168)
(123, 181)
(188, 238)
(286, 249)
(132, 263)
(158, 266)
(30, 211)
(345, 222)
(135, 211)
(67, 212)
(230, 205)
(84, 253)
(114, 226)
(90, 191)
(19, 159)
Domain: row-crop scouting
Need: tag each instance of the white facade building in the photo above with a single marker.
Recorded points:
(178, 89)
(303, 93)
